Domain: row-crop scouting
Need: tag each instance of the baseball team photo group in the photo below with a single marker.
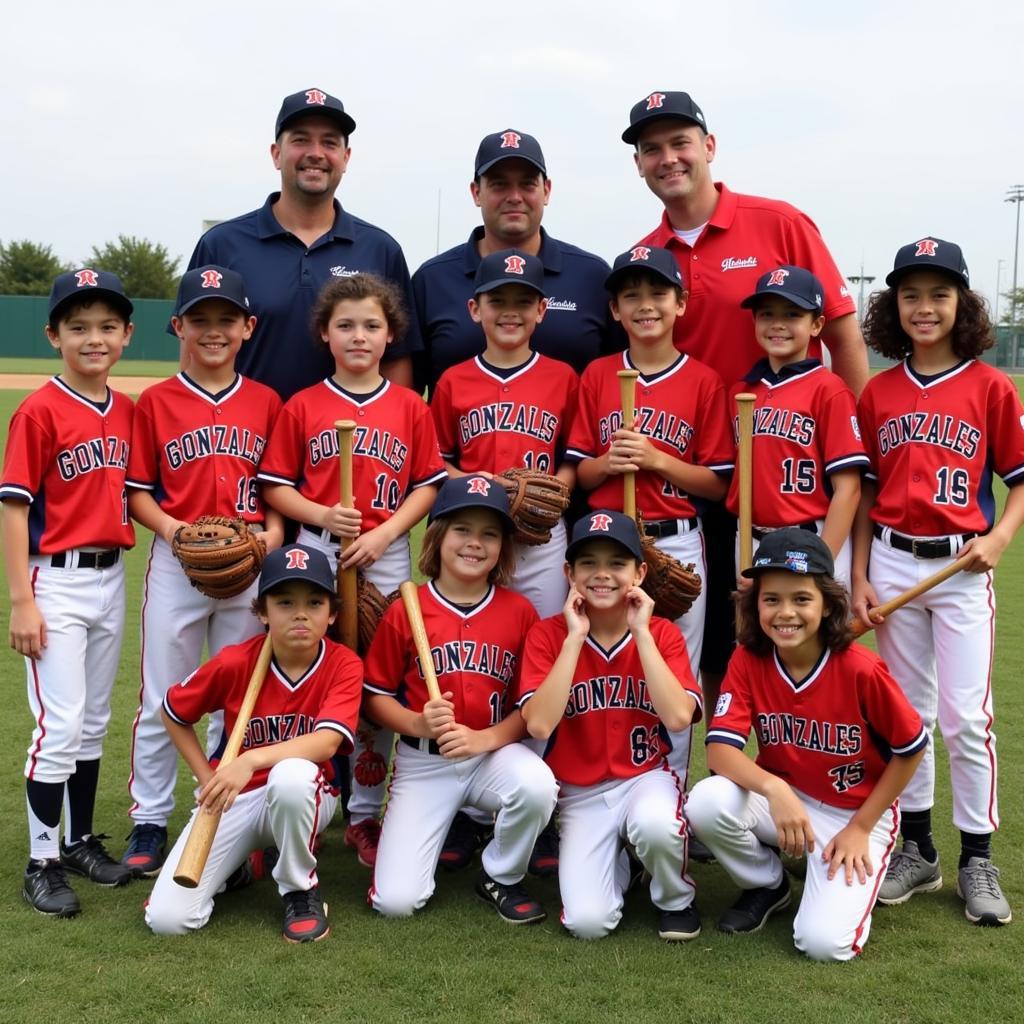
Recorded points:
(567, 582)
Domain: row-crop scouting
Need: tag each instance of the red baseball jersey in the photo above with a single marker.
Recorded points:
(198, 452)
(394, 447)
(934, 443)
(610, 729)
(475, 651)
(327, 696)
(681, 409)
(745, 237)
(805, 428)
(831, 735)
(491, 419)
(67, 457)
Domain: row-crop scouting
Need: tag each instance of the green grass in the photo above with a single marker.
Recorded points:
(456, 961)
(124, 368)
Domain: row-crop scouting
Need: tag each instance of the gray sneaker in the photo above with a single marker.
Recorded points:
(978, 886)
(908, 873)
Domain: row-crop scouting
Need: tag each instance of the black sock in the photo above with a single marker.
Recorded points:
(917, 827)
(974, 845)
(81, 801)
(44, 800)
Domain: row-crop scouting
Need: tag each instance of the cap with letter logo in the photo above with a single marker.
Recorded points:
(605, 525)
(797, 285)
(930, 254)
(313, 101)
(503, 145)
(472, 492)
(296, 562)
(211, 282)
(659, 262)
(510, 266)
(657, 106)
(792, 550)
(87, 284)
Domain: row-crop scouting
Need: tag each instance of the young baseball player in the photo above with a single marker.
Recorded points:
(65, 525)
(197, 441)
(601, 683)
(937, 426)
(807, 450)
(283, 788)
(836, 742)
(678, 447)
(396, 470)
(463, 747)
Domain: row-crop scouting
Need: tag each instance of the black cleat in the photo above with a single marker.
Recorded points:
(46, 889)
(90, 858)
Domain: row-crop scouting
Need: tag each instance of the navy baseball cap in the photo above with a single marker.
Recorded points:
(645, 257)
(503, 145)
(472, 492)
(510, 266)
(797, 285)
(296, 562)
(86, 285)
(792, 550)
(658, 105)
(930, 254)
(605, 525)
(211, 282)
(313, 101)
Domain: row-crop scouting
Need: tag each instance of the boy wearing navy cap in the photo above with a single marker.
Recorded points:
(808, 453)
(282, 790)
(197, 442)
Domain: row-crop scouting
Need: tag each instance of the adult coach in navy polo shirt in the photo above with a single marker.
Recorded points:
(511, 187)
(293, 244)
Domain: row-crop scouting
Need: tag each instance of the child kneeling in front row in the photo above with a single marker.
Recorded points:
(837, 742)
(283, 788)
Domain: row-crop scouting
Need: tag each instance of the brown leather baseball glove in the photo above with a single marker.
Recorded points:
(536, 502)
(372, 605)
(671, 585)
(220, 556)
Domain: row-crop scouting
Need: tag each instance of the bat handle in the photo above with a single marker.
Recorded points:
(627, 397)
(347, 583)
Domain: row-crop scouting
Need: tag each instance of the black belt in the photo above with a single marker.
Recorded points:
(88, 559)
(417, 742)
(325, 535)
(943, 547)
(669, 527)
(759, 532)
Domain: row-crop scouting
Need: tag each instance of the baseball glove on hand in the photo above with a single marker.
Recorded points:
(220, 556)
(536, 502)
(671, 585)
(371, 604)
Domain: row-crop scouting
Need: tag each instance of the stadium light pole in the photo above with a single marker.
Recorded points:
(999, 278)
(1015, 195)
(861, 279)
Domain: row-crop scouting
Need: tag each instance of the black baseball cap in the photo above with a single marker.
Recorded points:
(605, 525)
(645, 257)
(658, 105)
(472, 492)
(797, 285)
(313, 101)
(930, 254)
(504, 145)
(510, 266)
(296, 562)
(211, 282)
(87, 284)
(792, 550)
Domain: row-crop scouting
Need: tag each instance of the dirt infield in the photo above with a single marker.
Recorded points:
(31, 381)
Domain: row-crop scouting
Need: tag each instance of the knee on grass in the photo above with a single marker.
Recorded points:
(590, 922)
(817, 941)
(174, 916)
(398, 901)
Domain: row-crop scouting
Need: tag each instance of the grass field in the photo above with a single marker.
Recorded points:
(124, 368)
(457, 962)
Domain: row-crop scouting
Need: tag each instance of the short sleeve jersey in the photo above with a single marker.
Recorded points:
(198, 452)
(394, 447)
(831, 735)
(745, 237)
(492, 420)
(67, 457)
(610, 729)
(327, 696)
(475, 651)
(935, 442)
(681, 409)
(805, 429)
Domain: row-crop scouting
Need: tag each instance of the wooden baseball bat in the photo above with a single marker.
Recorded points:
(347, 581)
(411, 600)
(204, 825)
(859, 629)
(627, 398)
(745, 406)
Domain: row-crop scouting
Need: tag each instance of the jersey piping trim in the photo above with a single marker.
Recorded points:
(355, 399)
(909, 749)
(485, 369)
(101, 408)
(576, 455)
(614, 650)
(272, 478)
(139, 485)
(939, 378)
(811, 676)
(441, 474)
(383, 691)
(659, 376)
(334, 726)
(209, 396)
(295, 684)
(775, 385)
(734, 739)
(847, 462)
(465, 613)
(16, 491)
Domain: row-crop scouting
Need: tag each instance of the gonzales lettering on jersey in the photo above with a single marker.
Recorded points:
(326, 696)
(492, 420)
(830, 735)
(394, 445)
(66, 456)
(681, 409)
(610, 729)
(198, 452)
(476, 653)
(934, 444)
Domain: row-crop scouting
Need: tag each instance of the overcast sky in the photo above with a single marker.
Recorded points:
(882, 121)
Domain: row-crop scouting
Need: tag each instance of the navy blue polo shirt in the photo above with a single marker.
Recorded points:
(577, 327)
(284, 278)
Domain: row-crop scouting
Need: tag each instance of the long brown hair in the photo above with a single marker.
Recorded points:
(430, 555)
